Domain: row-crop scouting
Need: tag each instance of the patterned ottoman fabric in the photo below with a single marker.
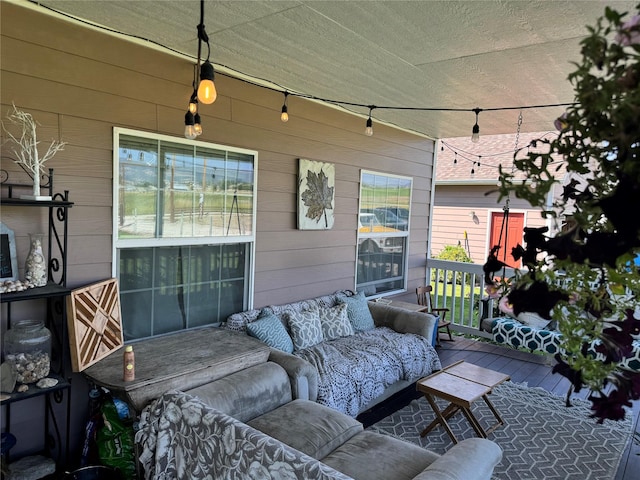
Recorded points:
(510, 332)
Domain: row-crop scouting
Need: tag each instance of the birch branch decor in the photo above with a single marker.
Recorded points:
(26, 152)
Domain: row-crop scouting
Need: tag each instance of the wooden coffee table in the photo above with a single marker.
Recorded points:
(461, 384)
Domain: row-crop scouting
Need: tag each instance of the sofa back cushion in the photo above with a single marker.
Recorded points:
(247, 393)
(238, 321)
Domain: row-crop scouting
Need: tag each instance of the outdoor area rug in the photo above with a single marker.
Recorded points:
(541, 438)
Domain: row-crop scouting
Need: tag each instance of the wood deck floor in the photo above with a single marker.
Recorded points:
(523, 367)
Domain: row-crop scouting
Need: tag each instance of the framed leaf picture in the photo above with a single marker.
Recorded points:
(316, 195)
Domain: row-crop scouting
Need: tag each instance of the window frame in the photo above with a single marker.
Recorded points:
(119, 244)
(405, 234)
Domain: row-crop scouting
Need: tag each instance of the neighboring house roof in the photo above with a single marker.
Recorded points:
(458, 157)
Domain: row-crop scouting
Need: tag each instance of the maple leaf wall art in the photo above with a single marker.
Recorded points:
(316, 195)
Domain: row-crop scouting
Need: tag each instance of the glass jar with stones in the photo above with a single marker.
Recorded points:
(27, 348)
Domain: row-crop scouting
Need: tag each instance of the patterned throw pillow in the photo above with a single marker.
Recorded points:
(305, 327)
(358, 312)
(335, 322)
(269, 329)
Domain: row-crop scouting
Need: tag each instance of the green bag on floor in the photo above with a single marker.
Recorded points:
(116, 441)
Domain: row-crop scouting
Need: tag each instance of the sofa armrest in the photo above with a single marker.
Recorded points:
(303, 376)
(471, 458)
(403, 321)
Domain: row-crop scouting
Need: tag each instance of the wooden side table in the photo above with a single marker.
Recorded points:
(461, 384)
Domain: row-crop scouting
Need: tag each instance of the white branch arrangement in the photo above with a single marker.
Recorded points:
(26, 148)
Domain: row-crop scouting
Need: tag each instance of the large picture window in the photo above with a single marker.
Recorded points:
(184, 223)
(383, 233)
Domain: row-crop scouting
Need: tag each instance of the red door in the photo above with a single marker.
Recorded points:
(511, 235)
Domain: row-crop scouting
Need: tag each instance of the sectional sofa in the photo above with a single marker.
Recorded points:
(343, 351)
(250, 425)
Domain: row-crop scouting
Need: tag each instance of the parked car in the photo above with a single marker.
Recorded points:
(390, 217)
(368, 223)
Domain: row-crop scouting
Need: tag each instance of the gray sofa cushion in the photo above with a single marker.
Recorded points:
(236, 394)
(373, 456)
(308, 426)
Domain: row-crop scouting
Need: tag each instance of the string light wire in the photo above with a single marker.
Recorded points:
(237, 75)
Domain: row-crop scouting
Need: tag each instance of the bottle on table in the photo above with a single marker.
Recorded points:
(129, 364)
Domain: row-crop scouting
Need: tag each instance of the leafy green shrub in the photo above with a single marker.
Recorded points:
(453, 253)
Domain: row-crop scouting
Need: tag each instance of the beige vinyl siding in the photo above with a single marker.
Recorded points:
(80, 83)
(453, 205)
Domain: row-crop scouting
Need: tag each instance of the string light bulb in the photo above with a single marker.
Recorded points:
(475, 131)
(189, 126)
(207, 93)
(369, 128)
(193, 102)
(284, 116)
(197, 126)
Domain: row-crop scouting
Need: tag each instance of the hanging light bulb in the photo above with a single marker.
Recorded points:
(455, 158)
(369, 128)
(284, 116)
(197, 126)
(193, 102)
(189, 126)
(207, 89)
(475, 131)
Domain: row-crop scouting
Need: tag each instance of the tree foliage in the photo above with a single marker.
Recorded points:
(585, 276)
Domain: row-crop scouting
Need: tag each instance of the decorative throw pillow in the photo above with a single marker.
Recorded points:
(358, 312)
(269, 329)
(335, 322)
(306, 330)
(533, 320)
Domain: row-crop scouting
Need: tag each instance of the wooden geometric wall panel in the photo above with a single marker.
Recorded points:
(95, 323)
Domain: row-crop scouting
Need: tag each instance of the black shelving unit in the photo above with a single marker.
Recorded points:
(54, 293)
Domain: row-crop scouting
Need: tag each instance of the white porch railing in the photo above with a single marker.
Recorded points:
(460, 287)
